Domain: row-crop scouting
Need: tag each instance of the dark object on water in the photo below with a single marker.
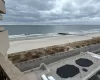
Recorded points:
(64, 33)
(67, 71)
(84, 62)
(85, 70)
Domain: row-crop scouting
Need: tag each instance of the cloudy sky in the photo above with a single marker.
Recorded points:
(52, 10)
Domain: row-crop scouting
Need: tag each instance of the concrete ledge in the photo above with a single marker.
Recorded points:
(12, 72)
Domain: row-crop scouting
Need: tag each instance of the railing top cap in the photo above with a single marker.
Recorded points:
(12, 72)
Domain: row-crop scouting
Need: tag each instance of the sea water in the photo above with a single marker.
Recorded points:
(22, 31)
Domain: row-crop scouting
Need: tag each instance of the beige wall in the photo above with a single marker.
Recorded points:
(2, 7)
(4, 41)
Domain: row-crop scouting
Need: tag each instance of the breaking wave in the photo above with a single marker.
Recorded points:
(54, 34)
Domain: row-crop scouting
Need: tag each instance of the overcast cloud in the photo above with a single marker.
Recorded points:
(51, 10)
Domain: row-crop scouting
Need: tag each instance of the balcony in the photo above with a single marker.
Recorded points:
(8, 71)
(2, 7)
(3, 75)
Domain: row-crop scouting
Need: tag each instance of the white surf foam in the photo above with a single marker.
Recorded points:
(91, 31)
(32, 35)
(54, 34)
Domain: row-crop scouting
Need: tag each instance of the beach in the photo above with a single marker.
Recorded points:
(24, 45)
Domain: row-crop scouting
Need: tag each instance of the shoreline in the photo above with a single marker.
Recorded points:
(24, 45)
(36, 36)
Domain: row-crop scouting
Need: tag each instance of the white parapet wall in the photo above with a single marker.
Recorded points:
(4, 41)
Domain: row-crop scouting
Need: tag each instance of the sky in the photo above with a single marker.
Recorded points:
(52, 11)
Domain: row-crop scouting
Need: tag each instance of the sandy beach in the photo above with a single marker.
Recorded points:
(24, 45)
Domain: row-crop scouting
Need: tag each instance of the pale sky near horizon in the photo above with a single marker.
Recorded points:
(52, 10)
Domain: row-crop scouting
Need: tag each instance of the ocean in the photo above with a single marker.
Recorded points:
(22, 31)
